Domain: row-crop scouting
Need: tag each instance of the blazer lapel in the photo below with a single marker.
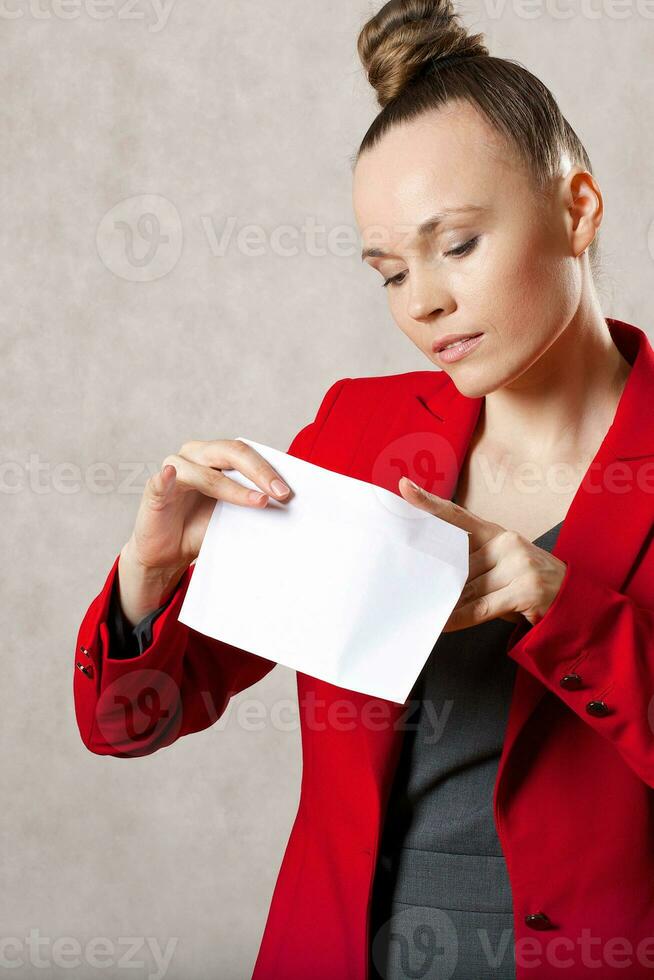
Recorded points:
(430, 433)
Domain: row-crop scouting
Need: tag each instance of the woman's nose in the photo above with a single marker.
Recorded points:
(427, 297)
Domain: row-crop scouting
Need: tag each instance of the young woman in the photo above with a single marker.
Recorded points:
(500, 823)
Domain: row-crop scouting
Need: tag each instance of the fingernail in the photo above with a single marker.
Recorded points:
(279, 488)
(414, 485)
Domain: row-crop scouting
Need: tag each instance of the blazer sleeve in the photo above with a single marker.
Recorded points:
(608, 640)
(130, 706)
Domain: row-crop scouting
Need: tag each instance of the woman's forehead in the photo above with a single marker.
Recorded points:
(432, 164)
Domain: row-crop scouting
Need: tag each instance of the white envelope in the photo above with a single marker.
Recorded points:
(346, 582)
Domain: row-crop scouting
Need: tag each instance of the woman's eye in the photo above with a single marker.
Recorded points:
(459, 251)
(394, 280)
(464, 249)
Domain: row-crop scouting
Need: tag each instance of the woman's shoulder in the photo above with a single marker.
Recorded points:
(368, 388)
(350, 404)
(353, 401)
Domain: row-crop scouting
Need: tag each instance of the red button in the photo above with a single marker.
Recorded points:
(571, 682)
(538, 920)
(598, 708)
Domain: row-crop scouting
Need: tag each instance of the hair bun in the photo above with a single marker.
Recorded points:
(405, 37)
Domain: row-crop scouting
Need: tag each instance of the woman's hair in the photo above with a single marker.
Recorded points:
(400, 48)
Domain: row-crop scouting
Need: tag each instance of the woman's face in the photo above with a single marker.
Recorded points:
(507, 269)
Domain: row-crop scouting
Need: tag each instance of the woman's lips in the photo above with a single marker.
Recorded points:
(464, 347)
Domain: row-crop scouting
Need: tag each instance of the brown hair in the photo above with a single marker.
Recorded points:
(401, 47)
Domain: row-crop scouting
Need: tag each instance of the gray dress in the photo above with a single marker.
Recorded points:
(442, 904)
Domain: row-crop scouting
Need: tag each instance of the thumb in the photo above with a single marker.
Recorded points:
(160, 485)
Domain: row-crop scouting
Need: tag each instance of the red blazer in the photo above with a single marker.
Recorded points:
(573, 801)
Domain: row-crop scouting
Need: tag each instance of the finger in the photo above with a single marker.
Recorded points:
(213, 483)
(157, 490)
(512, 617)
(481, 560)
(226, 454)
(503, 548)
(479, 529)
(452, 627)
(163, 479)
(480, 585)
(494, 605)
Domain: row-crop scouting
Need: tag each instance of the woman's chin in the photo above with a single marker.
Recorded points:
(473, 384)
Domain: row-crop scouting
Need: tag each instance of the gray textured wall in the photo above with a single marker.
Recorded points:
(225, 113)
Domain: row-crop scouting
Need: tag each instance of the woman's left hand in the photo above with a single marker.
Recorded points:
(509, 576)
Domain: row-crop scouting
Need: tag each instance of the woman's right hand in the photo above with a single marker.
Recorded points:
(174, 513)
(178, 501)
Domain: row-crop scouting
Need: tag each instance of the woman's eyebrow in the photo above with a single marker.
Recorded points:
(426, 227)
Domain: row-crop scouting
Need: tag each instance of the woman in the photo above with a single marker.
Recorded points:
(512, 837)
